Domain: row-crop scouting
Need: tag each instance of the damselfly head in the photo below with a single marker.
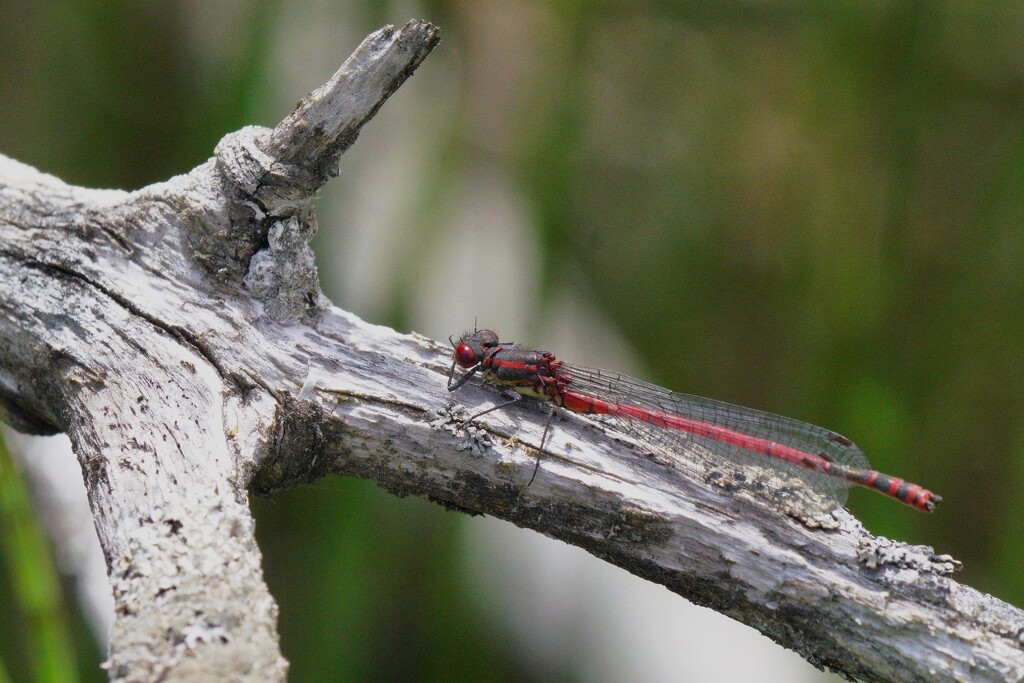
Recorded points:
(465, 356)
(472, 347)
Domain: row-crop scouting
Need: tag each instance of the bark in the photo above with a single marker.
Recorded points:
(179, 336)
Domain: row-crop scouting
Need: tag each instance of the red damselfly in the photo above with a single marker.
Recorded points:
(803, 468)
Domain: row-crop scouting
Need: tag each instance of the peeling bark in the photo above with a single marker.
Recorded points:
(178, 334)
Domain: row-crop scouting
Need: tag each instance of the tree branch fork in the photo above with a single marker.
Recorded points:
(179, 335)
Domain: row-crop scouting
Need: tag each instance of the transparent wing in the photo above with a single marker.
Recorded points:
(791, 487)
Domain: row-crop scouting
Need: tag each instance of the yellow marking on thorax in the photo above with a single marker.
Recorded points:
(531, 392)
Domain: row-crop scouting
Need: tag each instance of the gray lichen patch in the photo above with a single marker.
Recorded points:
(452, 419)
(175, 559)
(283, 275)
(876, 551)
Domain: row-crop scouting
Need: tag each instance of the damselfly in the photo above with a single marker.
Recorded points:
(806, 469)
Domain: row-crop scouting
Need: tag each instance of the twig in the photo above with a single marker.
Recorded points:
(179, 336)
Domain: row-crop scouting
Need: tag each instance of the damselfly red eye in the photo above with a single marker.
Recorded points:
(465, 356)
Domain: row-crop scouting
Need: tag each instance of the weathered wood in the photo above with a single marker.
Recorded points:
(117, 313)
(178, 334)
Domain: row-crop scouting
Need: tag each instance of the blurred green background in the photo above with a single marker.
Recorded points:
(816, 210)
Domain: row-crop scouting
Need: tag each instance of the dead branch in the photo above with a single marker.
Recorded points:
(178, 334)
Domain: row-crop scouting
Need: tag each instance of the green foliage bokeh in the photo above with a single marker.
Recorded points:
(816, 211)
